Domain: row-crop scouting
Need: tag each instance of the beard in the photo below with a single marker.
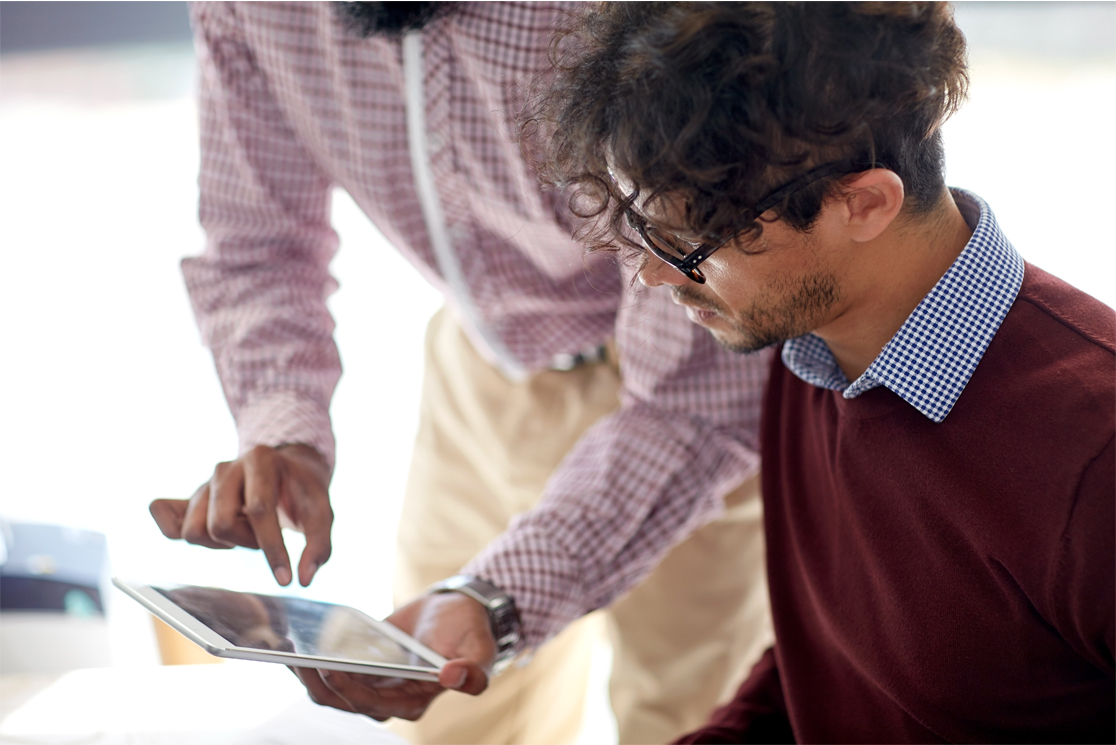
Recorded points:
(773, 317)
(388, 18)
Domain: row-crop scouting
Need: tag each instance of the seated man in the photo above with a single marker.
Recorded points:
(938, 437)
(938, 430)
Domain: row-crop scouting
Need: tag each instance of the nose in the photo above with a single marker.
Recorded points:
(656, 272)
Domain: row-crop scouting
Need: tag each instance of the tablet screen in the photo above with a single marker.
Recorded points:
(283, 624)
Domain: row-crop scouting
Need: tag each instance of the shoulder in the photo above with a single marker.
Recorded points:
(278, 15)
(1078, 313)
(1043, 397)
(1056, 344)
(292, 27)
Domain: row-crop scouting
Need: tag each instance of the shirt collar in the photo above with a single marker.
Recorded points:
(931, 358)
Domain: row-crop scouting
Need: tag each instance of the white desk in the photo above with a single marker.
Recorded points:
(233, 703)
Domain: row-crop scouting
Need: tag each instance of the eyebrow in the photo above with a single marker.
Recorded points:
(687, 237)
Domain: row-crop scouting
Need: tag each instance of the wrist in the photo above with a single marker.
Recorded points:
(308, 454)
(503, 618)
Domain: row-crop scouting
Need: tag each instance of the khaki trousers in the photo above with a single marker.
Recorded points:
(682, 640)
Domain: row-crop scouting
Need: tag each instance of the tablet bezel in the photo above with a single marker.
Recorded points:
(215, 644)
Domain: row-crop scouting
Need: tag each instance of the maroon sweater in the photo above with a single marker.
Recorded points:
(945, 582)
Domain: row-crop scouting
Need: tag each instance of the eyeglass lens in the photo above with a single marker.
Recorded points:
(656, 239)
(668, 243)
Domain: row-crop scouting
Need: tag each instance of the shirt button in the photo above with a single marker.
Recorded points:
(458, 234)
(435, 142)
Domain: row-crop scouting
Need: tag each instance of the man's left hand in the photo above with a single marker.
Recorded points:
(453, 625)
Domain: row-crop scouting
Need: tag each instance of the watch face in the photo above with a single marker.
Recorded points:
(485, 589)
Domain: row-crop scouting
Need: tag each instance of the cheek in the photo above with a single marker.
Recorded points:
(770, 265)
(736, 279)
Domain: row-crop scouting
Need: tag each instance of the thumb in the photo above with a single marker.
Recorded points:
(169, 515)
(464, 676)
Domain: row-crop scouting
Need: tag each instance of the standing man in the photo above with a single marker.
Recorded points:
(406, 106)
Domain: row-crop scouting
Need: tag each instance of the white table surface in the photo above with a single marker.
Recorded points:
(231, 703)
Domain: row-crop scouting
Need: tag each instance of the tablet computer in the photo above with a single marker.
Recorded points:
(287, 630)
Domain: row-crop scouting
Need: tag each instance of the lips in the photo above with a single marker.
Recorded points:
(695, 313)
(700, 316)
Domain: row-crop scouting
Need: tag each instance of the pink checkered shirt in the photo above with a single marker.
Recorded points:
(292, 105)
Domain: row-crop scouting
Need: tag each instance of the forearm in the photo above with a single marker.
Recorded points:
(617, 505)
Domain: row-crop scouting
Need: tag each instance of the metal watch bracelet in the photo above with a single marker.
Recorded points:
(502, 614)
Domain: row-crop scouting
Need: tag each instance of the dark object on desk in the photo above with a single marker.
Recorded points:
(51, 599)
(39, 594)
(51, 568)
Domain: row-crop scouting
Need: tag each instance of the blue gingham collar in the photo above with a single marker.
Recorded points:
(930, 359)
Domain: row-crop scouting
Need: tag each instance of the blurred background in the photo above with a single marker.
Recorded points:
(110, 400)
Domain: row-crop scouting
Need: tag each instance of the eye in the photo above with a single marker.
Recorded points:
(671, 243)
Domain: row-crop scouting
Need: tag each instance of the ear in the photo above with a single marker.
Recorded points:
(871, 201)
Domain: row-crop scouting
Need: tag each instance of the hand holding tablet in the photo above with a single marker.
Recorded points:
(345, 659)
(454, 624)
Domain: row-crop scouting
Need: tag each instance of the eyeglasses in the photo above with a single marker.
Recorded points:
(685, 255)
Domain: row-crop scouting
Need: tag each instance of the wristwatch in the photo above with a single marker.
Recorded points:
(502, 615)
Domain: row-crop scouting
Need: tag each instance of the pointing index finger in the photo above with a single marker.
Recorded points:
(261, 497)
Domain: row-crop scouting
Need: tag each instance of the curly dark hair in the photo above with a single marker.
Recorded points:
(719, 103)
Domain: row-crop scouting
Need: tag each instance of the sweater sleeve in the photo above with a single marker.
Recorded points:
(1083, 599)
(259, 290)
(757, 713)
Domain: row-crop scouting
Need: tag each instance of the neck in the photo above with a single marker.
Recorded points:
(888, 278)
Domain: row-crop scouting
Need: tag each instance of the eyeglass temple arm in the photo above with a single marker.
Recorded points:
(772, 199)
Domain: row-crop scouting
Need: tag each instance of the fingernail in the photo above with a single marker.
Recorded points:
(459, 680)
(282, 575)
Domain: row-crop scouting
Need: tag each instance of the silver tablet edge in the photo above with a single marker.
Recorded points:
(178, 619)
(323, 663)
(218, 646)
(401, 637)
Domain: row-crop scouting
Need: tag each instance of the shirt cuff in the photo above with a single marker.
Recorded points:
(285, 418)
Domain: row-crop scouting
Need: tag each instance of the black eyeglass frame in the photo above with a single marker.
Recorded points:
(688, 265)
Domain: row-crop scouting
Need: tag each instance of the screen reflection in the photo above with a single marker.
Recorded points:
(291, 625)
